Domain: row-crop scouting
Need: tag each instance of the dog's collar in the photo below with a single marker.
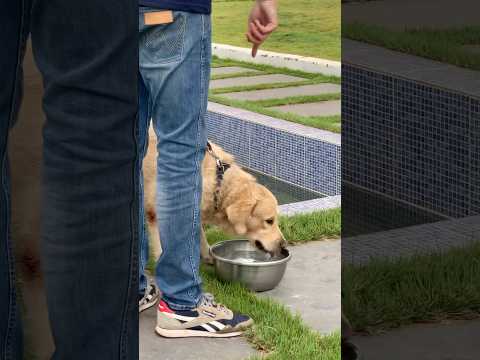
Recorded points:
(221, 167)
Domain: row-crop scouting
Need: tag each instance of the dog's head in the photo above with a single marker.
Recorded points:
(256, 217)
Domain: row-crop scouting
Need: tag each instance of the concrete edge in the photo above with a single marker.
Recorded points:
(411, 67)
(290, 61)
(415, 240)
(305, 207)
(279, 124)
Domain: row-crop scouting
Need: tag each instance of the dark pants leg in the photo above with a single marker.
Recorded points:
(87, 52)
(13, 32)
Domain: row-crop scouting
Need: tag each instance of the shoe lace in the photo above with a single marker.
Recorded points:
(209, 301)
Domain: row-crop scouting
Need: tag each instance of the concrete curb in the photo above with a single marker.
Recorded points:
(294, 62)
(309, 206)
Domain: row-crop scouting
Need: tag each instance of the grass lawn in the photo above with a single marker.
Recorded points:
(331, 123)
(383, 295)
(442, 45)
(297, 229)
(307, 27)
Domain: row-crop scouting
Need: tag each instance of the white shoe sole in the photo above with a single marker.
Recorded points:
(194, 333)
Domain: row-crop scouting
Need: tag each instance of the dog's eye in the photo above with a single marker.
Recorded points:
(270, 221)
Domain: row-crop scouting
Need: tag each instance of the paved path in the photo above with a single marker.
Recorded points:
(303, 90)
(311, 285)
(453, 340)
(322, 108)
(409, 241)
(254, 80)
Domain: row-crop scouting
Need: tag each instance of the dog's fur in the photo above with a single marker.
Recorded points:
(246, 208)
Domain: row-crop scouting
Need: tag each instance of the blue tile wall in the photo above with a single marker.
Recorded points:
(475, 160)
(290, 159)
(322, 162)
(262, 149)
(367, 106)
(231, 134)
(410, 141)
(303, 161)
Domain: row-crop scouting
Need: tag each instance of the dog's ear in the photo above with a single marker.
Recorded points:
(238, 215)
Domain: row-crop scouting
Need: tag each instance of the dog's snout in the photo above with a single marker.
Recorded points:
(283, 243)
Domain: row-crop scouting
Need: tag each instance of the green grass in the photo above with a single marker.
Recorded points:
(277, 333)
(234, 75)
(314, 226)
(296, 100)
(383, 295)
(441, 45)
(330, 123)
(297, 229)
(239, 88)
(317, 78)
(307, 27)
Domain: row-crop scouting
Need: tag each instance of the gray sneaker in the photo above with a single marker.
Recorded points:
(150, 298)
(209, 319)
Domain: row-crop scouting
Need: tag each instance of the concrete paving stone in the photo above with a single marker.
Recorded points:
(321, 108)
(254, 80)
(449, 340)
(155, 347)
(227, 70)
(311, 285)
(303, 90)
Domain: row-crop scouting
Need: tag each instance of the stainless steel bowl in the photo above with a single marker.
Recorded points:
(238, 260)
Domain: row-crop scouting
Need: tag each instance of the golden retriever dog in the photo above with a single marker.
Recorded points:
(244, 207)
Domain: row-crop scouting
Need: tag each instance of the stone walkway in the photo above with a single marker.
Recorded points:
(233, 76)
(322, 108)
(253, 80)
(449, 340)
(311, 287)
(302, 90)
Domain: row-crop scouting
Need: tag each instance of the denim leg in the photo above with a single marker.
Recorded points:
(175, 66)
(143, 124)
(87, 52)
(13, 33)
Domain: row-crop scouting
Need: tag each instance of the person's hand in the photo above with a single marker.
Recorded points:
(263, 20)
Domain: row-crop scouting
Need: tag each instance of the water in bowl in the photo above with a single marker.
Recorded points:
(250, 257)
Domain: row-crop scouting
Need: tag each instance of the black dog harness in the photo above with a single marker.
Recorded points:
(221, 167)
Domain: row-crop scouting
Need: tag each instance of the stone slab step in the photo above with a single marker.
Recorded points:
(311, 284)
(254, 80)
(228, 70)
(449, 339)
(267, 94)
(321, 108)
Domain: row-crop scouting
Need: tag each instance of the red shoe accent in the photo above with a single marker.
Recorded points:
(163, 307)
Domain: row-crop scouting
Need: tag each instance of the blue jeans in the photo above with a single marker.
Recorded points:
(174, 72)
(89, 238)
